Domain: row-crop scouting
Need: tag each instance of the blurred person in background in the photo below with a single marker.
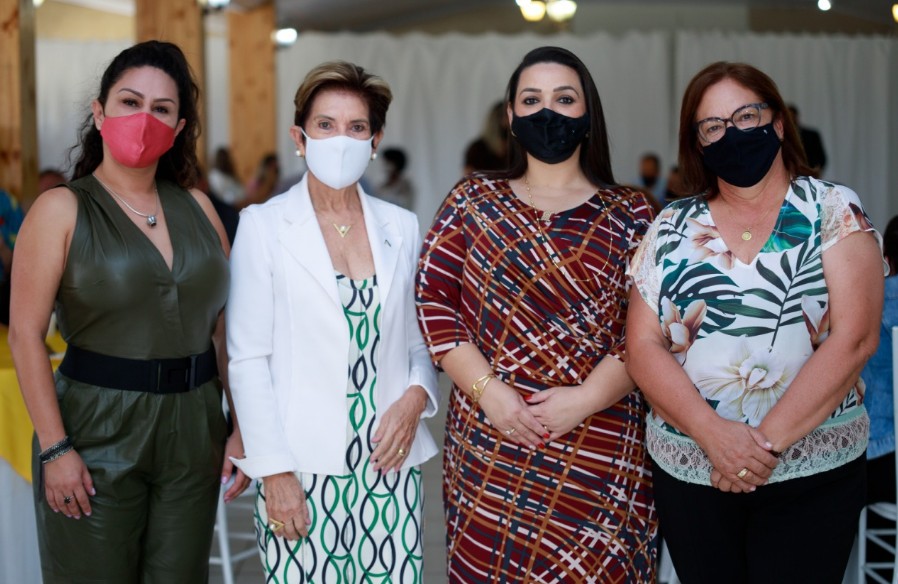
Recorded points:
(489, 151)
(223, 179)
(397, 188)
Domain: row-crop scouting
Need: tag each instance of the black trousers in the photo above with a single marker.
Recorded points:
(800, 530)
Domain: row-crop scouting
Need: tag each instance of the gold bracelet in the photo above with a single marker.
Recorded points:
(477, 388)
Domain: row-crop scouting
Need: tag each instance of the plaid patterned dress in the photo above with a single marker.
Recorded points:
(543, 313)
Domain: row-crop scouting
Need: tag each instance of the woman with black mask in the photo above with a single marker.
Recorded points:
(522, 298)
(756, 303)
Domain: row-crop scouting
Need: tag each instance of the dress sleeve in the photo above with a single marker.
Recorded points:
(842, 214)
(643, 269)
(641, 213)
(439, 281)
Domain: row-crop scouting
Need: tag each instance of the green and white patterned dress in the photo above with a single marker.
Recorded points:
(366, 525)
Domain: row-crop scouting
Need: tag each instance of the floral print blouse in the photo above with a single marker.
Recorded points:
(742, 331)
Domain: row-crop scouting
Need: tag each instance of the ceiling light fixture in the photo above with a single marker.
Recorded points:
(895, 12)
(532, 10)
(561, 10)
(284, 37)
(824, 5)
(557, 10)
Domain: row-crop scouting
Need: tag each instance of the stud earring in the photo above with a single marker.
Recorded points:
(374, 156)
(298, 153)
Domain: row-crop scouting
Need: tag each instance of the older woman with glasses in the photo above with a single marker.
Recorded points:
(757, 302)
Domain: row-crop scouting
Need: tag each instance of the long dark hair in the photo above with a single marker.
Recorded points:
(179, 164)
(695, 176)
(595, 155)
(890, 244)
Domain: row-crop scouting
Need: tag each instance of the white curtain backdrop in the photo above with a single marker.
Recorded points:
(841, 87)
(68, 76)
(444, 85)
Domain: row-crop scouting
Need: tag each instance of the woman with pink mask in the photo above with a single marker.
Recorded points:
(129, 436)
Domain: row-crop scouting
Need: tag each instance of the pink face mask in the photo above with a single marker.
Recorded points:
(137, 140)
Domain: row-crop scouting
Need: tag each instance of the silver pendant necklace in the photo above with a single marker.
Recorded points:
(150, 217)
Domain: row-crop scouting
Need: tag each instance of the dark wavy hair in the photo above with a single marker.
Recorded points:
(890, 244)
(695, 176)
(595, 154)
(179, 164)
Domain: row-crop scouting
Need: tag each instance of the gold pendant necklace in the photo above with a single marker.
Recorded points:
(746, 231)
(342, 229)
(554, 254)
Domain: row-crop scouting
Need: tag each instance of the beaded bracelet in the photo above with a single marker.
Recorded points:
(56, 450)
(480, 385)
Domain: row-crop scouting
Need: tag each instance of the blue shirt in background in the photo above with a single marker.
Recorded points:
(877, 375)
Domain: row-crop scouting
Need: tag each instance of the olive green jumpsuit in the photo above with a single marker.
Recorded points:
(155, 459)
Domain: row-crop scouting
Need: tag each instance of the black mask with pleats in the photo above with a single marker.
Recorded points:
(743, 158)
(549, 136)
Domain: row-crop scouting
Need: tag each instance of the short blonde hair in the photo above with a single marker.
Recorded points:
(344, 76)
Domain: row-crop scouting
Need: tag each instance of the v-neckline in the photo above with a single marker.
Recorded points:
(549, 216)
(726, 245)
(156, 252)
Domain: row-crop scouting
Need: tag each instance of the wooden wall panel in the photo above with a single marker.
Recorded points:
(179, 22)
(18, 106)
(252, 85)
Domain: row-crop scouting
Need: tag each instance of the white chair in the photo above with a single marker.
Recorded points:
(224, 535)
(889, 511)
(666, 572)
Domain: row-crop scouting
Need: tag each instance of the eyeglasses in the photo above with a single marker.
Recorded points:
(746, 118)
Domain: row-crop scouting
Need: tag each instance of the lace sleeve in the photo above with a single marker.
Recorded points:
(643, 269)
(842, 214)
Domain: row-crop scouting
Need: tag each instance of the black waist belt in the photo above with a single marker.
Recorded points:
(150, 375)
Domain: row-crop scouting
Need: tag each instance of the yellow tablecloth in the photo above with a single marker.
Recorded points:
(15, 425)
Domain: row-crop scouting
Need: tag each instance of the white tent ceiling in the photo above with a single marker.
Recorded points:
(366, 15)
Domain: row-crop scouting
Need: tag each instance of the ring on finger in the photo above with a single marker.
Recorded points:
(510, 431)
(66, 499)
(743, 473)
(401, 452)
(275, 524)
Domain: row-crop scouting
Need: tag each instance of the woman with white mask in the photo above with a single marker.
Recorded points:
(330, 374)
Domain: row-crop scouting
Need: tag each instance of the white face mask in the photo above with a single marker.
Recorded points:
(339, 161)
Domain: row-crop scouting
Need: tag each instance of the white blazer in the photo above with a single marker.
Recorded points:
(288, 340)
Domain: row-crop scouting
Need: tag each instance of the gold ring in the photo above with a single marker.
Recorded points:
(275, 524)
(510, 431)
(401, 451)
(742, 473)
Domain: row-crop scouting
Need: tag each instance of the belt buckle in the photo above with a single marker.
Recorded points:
(170, 379)
(191, 372)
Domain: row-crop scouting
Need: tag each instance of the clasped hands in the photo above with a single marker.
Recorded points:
(537, 419)
(741, 456)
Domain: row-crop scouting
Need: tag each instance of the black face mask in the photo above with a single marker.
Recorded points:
(549, 136)
(648, 182)
(743, 158)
